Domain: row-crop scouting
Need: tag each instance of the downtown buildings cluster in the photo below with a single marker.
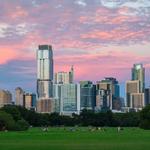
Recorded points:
(57, 92)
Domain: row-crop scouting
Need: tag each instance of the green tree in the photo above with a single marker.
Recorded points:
(12, 109)
(145, 118)
(6, 121)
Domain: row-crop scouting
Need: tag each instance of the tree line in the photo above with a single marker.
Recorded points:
(19, 118)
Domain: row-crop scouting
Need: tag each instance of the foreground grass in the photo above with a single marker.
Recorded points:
(60, 139)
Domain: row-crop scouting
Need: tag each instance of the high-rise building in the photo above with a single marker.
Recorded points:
(29, 101)
(71, 75)
(19, 96)
(137, 101)
(134, 97)
(44, 71)
(107, 86)
(131, 87)
(87, 95)
(5, 98)
(45, 105)
(64, 77)
(138, 73)
(103, 100)
(61, 78)
(67, 98)
(147, 96)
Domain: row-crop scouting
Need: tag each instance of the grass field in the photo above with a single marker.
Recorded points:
(60, 139)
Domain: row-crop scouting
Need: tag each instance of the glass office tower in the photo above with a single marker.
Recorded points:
(138, 73)
(44, 71)
(87, 95)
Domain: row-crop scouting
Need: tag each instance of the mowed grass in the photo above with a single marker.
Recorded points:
(60, 139)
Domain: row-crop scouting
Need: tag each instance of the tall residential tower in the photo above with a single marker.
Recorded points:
(45, 71)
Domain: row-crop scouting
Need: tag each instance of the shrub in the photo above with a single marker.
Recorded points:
(21, 125)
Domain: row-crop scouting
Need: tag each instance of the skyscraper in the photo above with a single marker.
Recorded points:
(87, 95)
(45, 71)
(138, 73)
(19, 96)
(131, 87)
(71, 75)
(134, 98)
(64, 77)
(67, 97)
(107, 86)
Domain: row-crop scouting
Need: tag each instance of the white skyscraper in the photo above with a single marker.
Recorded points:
(44, 71)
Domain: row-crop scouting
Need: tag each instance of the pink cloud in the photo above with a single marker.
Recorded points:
(97, 66)
(7, 54)
(116, 35)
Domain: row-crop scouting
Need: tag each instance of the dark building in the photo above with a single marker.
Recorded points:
(147, 96)
(87, 95)
(107, 91)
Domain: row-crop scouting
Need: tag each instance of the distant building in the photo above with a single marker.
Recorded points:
(131, 87)
(103, 100)
(67, 98)
(134, 98)
(138, 73)
(19, 96)
(117, 104)
(137, 101)
(29, 101)
(147, 96)
(110, 87)
(44, 78)
(64, 77)
(87, 95)
(45, 71)
(45, 105)
(71, 75)
(5, 98)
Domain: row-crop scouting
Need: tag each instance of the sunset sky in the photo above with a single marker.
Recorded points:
(99, 37)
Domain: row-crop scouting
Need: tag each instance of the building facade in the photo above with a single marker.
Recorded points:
(137, 101)
(147, 96)
(131, 87)
(103, 100)
(44, 71)
(65, 77)
(19, 95)
(138, 73)
(87, 95)
(45, 105)
(29, 101)
(67, 98)
(134, 97)
(5, 98)
(107, 91)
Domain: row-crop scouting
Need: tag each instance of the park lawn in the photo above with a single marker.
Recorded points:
(60, 139)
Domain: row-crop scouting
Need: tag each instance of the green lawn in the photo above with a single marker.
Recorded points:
(60, 139)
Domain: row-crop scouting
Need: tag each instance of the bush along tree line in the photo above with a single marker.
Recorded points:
(19, 118)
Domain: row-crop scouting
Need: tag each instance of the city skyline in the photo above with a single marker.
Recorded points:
(79, 33)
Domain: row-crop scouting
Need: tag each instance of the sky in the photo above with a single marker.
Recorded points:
(100, 38)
